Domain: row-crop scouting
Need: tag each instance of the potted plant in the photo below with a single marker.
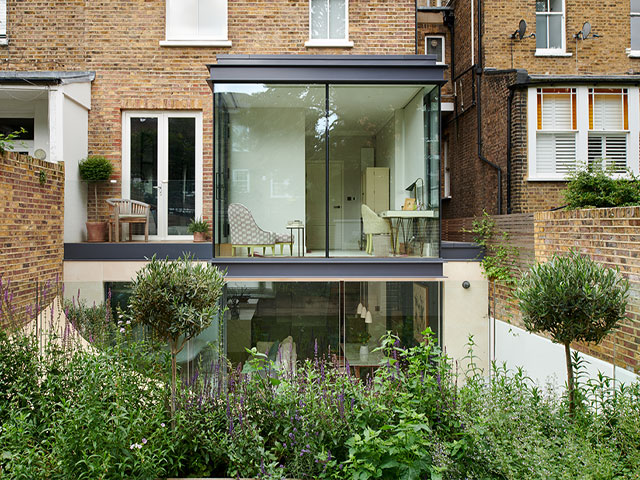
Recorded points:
(199, 229)
(363, 338)
(93, 170)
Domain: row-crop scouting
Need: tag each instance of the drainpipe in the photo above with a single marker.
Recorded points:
(509, 148)
(479, 71)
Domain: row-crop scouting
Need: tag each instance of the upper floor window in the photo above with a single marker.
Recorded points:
(329, 23)
(3, 22)
(635, 27)
(434, 45)
(550, 27)
(570, 127)
(196, 22)
(609, 127)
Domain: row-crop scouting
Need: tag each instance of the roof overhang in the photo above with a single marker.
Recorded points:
(44, 78)
(537, 80)
(338, 69)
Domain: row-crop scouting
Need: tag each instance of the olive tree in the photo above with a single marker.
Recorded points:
(176, 300)
(572, 298)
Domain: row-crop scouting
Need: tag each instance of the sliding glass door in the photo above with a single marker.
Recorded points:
(162, 166)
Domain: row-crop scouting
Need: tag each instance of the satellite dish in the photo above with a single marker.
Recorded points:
(586, 30)
(522, 29)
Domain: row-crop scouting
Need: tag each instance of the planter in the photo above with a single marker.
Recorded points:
(199, 236)
(96, 231)
(364, 352)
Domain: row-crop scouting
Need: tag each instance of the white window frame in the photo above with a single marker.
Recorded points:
(582, 132)
(633, 53)
(329, 42)
(3, 23)
(163, 118)
(555, 52)
(426, 39)
(195, 40)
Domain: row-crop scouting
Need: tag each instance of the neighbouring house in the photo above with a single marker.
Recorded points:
(541, 88)
(306, 133)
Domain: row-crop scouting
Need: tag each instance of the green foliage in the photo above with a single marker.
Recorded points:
(573, 298)
(8, 140)
(499, 261)
(595, 186)
(364, 337)
(95, 168)
(198, 225)
(94, 322)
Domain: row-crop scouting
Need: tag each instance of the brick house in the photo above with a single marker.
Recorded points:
(278, 120)
(527, 110)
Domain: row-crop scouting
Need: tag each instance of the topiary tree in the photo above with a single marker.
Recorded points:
(572, 298)
(93, 170)
(177, 300)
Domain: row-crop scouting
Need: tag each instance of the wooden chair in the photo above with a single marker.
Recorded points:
(128, 211)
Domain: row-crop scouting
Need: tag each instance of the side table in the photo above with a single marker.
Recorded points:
(299, 228)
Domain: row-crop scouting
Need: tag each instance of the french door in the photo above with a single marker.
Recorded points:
(162, 166)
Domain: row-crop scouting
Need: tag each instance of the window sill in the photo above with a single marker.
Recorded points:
(328, 44)
(4, 41)
(633, 53)
(195, 43)
(552, 53)
(547, 179)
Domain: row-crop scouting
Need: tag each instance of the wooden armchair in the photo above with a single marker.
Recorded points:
(124, 210)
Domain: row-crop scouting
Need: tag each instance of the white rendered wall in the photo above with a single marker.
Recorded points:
(74, 137)
(543, 360)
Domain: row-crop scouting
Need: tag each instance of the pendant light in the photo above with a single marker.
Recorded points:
(368, 318)
(363, 314)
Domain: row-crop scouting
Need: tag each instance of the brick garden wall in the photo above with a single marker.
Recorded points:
(609, 236)
(31, 226)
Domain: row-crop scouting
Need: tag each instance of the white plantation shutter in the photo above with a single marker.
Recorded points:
(555, 153)
(607, 112)
(612, 148)
(556, 112)
(196, 19)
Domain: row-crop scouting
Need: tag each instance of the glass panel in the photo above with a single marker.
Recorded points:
(282, 319)
(144, 165)
(182, 174)
(270, 169)
(319, 19)
(555, 31)
(541, 5)
(434, 47)
(635, 33)
(541, 31)
(337, 19)
(555, 5)
(380, 190)
(635, 6)
(291, 321)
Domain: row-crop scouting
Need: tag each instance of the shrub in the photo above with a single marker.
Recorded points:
(198, 225)
(594, 186)
(95, 169)
(572, 298)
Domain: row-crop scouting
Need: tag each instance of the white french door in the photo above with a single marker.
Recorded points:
(162, 166)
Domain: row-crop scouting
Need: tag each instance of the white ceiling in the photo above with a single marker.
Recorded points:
(359, 109)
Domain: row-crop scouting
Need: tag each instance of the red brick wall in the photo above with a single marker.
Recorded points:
(119, 40)
(610, 236)
(31, 225)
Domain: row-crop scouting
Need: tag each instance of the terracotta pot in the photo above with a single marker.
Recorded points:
(96, 231)
(199, 236)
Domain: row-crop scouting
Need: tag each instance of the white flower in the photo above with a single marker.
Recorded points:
(122, 330)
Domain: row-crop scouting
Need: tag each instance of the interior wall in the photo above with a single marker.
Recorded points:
(413, 138)
(272, 166)
(385, 156)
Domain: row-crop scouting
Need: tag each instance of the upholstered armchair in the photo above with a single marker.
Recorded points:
(244, 232)
(372, 225)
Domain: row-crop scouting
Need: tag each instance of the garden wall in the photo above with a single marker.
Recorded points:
(31, 226)
(610, 236)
